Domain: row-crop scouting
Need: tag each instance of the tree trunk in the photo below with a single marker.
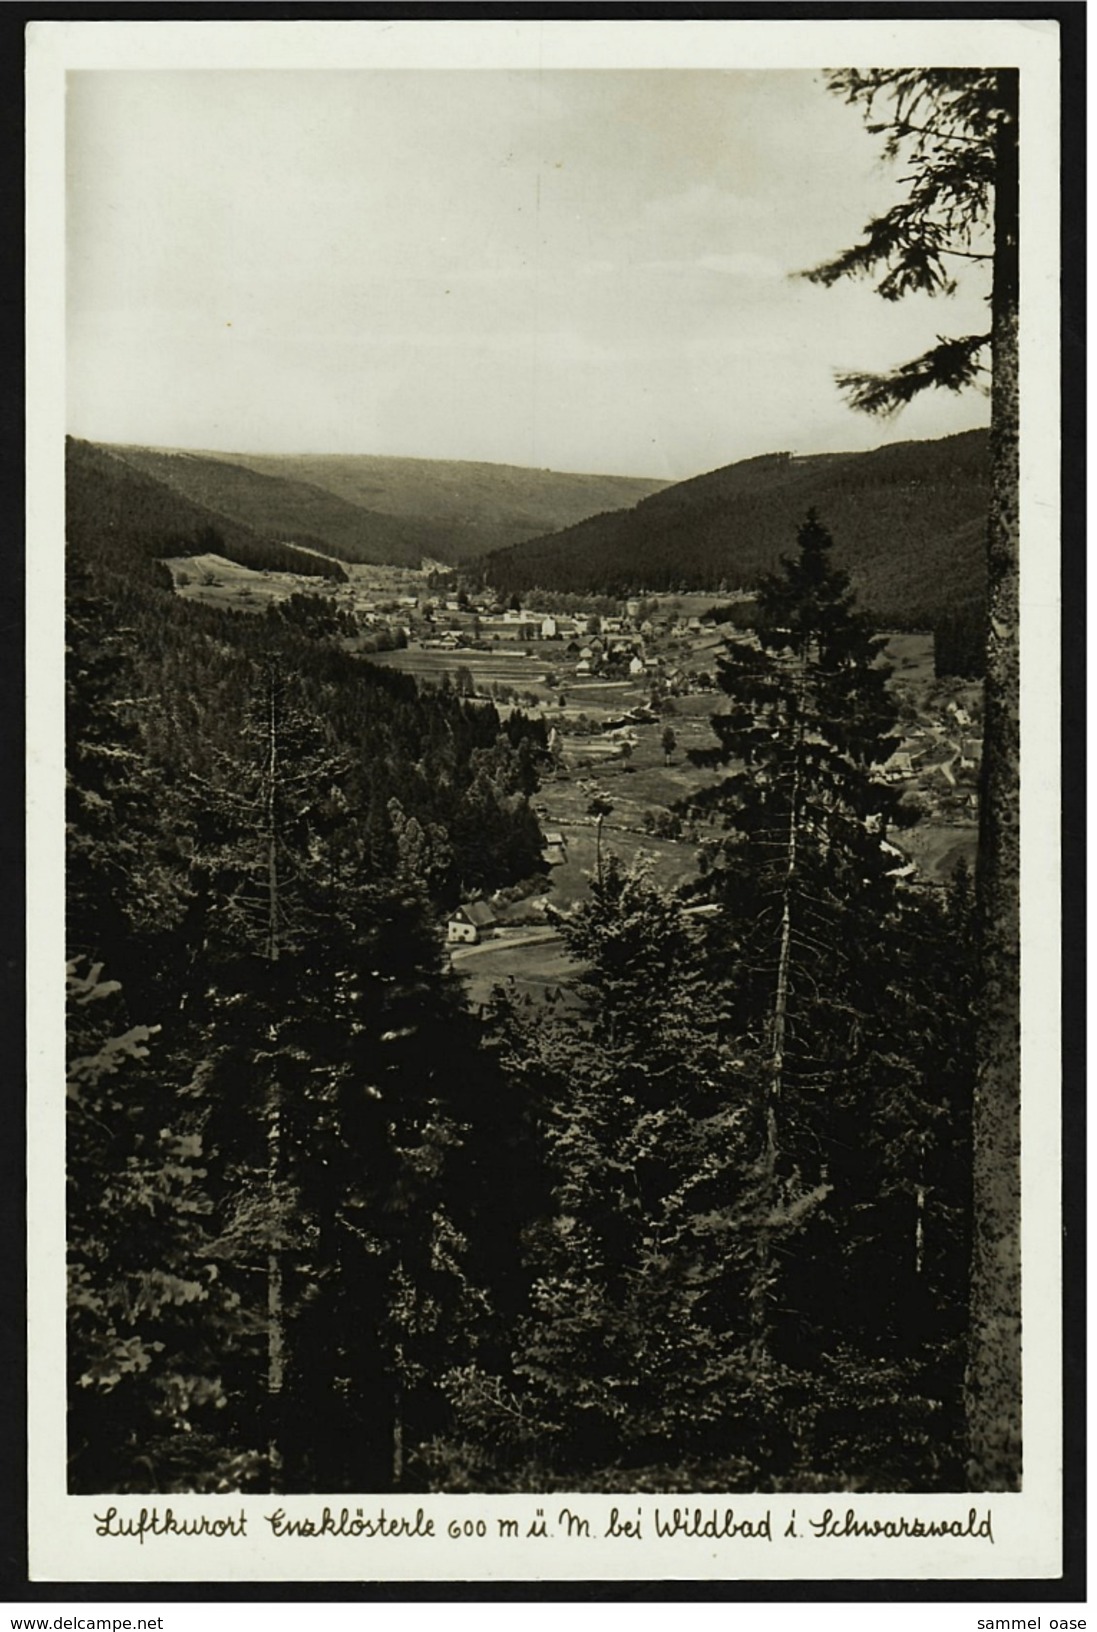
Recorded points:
(397, 1436)
(759, 1294)
(275, 1318)
(993, 1382)
(920, 1210)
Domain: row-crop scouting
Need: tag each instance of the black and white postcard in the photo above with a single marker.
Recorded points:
(544, 801)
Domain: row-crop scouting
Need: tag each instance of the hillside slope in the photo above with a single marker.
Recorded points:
(121, 517)
(907, 520)
(368, 508)
(479, 506)
(285, 508)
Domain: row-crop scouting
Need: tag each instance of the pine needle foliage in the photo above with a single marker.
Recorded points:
(942, 125)
(828, 964)
(958, 131)
(629, 1342)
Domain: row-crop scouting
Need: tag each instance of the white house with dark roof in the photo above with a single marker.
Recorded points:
(469, 922)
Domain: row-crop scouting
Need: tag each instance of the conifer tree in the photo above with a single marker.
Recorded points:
(802, 874)
(833, 974)
(153, 1327)
(329, 1037)
(957, 132)
(634, 1334)
(259, 873)
(125, 867)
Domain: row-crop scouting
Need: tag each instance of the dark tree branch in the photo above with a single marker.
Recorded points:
(948, 192)
(905, 129)
(963, 176)
(950, 364)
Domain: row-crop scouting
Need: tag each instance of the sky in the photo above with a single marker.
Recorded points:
(580, 270)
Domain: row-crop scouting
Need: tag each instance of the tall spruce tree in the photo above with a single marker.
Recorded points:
(153, 1327)
(802, 874)
(327, 1042)
(957, 133)
(385, 1301)
(829, 964)
(259, 873)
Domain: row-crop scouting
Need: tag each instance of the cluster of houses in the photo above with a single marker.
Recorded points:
(941, 758)
(454, 617)
(588, 643)
(450, 622)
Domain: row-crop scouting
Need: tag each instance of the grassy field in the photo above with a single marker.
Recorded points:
(645, 783)
(911, 657)
(647, 779)
(937, 848)
(530, 969)
(516, 668)
(592, 695)
(671, 861)
(214, 581)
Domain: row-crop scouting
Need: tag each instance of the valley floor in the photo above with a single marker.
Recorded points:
(626, 763)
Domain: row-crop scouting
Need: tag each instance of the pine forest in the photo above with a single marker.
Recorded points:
(502, 1245)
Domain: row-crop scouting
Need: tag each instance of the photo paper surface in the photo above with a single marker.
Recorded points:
(543, 597)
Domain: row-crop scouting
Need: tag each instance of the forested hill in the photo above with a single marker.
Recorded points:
(286, 509)
(263, 833)
(479, 506)
(907, 519)
(128, 522)
(167, 690)
(369, 508)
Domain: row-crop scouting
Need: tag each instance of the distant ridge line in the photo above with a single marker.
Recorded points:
(381, 509)
(907, 519)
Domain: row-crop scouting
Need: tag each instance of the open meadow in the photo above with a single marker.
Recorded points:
(529, 967)
(519, 667)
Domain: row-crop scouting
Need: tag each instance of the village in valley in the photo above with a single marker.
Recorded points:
(626, 690)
